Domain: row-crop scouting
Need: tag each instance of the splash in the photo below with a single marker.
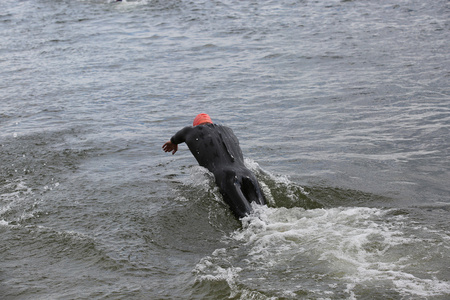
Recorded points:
(12, 198)
(19, 203)
(333, 253)
(280, 191)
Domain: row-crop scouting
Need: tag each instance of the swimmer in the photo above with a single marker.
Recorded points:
(216, 148)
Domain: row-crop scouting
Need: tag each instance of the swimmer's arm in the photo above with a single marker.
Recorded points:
(178, 138)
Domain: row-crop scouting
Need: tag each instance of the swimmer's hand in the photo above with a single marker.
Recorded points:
(170, 147)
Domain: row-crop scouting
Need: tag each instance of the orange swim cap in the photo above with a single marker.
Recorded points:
(202, 118)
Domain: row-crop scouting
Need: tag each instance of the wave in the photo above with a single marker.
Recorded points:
(290, 249)
(338, 252)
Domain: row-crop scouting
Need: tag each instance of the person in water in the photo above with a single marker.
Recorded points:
(216, 148)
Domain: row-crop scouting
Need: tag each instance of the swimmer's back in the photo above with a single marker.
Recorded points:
(213, 146)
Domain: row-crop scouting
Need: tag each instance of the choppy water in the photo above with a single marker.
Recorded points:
(342, 110)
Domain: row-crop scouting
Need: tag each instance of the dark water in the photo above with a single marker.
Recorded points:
(342, 110)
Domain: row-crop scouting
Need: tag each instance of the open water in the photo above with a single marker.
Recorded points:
(342, 109)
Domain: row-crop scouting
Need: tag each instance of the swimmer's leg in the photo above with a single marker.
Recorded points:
(239, 191)
(236, 199)
(230, 188)
(251, 190)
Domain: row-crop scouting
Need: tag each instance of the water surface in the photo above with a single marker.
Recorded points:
(342, 111)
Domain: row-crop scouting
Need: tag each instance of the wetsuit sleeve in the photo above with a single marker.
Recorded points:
(180, 136)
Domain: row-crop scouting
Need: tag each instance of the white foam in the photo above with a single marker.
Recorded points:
(17, 191)
(210, 268)
(17, 203)
(359, 245)
(3, 223)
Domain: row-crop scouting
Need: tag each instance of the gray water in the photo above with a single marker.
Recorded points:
(342, 111)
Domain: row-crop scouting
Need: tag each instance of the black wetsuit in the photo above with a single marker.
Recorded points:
(217, 148)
